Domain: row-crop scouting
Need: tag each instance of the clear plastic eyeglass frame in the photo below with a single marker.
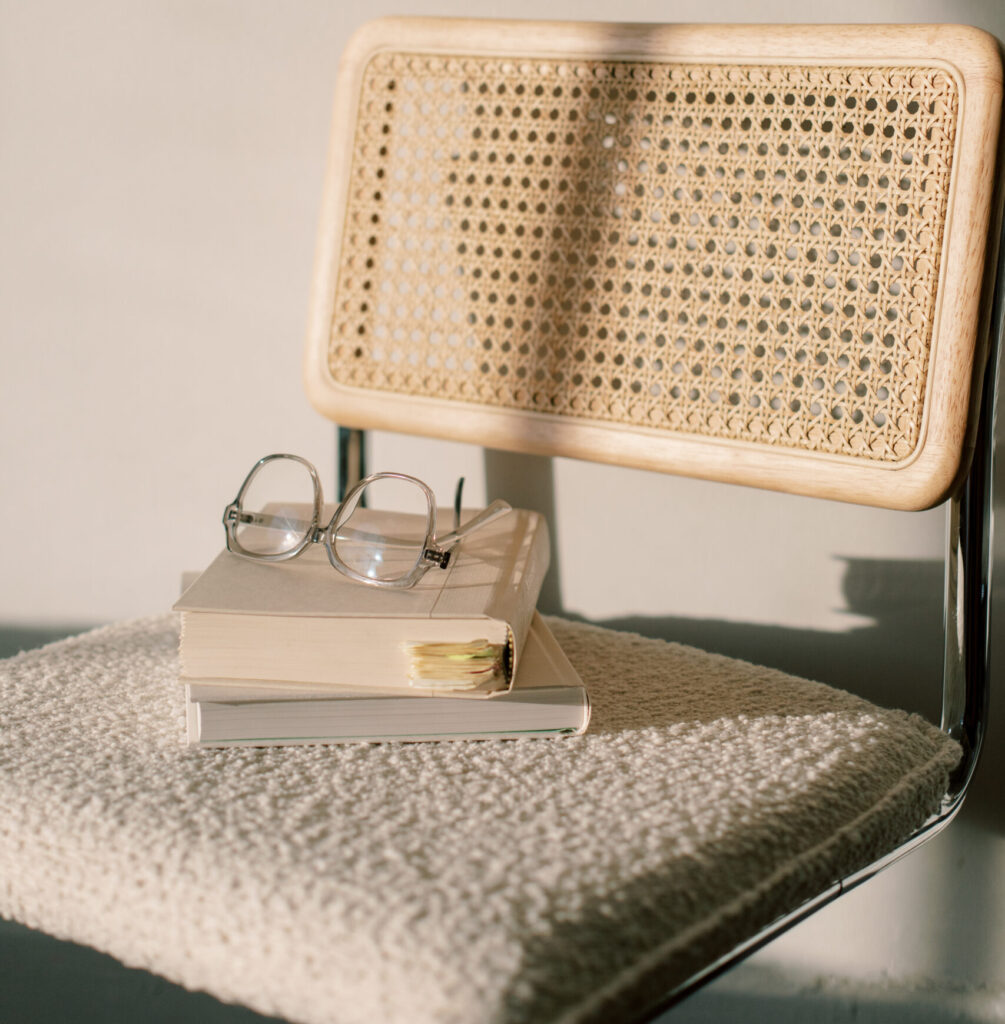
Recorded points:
(435, 552)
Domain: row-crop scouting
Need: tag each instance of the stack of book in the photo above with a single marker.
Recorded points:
(295, 652)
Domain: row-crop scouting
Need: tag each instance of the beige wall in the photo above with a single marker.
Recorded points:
(160, 168)
(160, 175)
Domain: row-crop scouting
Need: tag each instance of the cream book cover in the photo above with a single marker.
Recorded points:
(243, 619)
(547, 698)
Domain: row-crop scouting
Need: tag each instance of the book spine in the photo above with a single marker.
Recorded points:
(516, 605)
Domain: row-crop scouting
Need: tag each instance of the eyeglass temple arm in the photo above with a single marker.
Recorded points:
(494, 511)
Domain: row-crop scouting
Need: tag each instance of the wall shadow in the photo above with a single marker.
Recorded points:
(895, 662)
(528, 481)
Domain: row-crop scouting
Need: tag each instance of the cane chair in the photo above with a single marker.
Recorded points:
(761, 256)
(750, 255)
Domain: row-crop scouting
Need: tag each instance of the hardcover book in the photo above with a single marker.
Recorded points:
(459, 630)
(547, 698)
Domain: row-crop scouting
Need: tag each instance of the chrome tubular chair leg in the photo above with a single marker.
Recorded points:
(969, 558)
(966, 618)
(351, 456)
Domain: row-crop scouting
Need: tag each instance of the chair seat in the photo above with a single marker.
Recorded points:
(533, 880)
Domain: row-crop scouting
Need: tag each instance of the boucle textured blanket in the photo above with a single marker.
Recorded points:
(532, 880)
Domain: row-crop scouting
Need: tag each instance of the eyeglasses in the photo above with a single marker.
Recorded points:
(266, 522)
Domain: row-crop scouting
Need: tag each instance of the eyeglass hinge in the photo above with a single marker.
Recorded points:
(233, 514)
(440, 558)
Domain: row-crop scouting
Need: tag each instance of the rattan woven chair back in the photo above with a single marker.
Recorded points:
(750, 254)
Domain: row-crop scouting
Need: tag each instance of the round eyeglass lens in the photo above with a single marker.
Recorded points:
(276, 508)
(381, 536)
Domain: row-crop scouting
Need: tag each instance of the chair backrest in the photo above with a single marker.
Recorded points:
(745, 253)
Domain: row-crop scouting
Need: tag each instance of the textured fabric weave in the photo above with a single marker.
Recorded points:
(728, 250)
(536, 880)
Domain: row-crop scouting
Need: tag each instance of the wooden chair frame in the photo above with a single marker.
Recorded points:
(587, 290)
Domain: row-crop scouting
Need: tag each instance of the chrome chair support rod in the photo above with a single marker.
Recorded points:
(969, 560)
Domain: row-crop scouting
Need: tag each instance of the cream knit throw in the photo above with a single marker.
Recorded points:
(536, 880)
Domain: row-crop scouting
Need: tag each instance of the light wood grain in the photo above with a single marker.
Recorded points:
(935, 311)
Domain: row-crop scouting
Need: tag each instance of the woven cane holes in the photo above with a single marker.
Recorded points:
(738, 252)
